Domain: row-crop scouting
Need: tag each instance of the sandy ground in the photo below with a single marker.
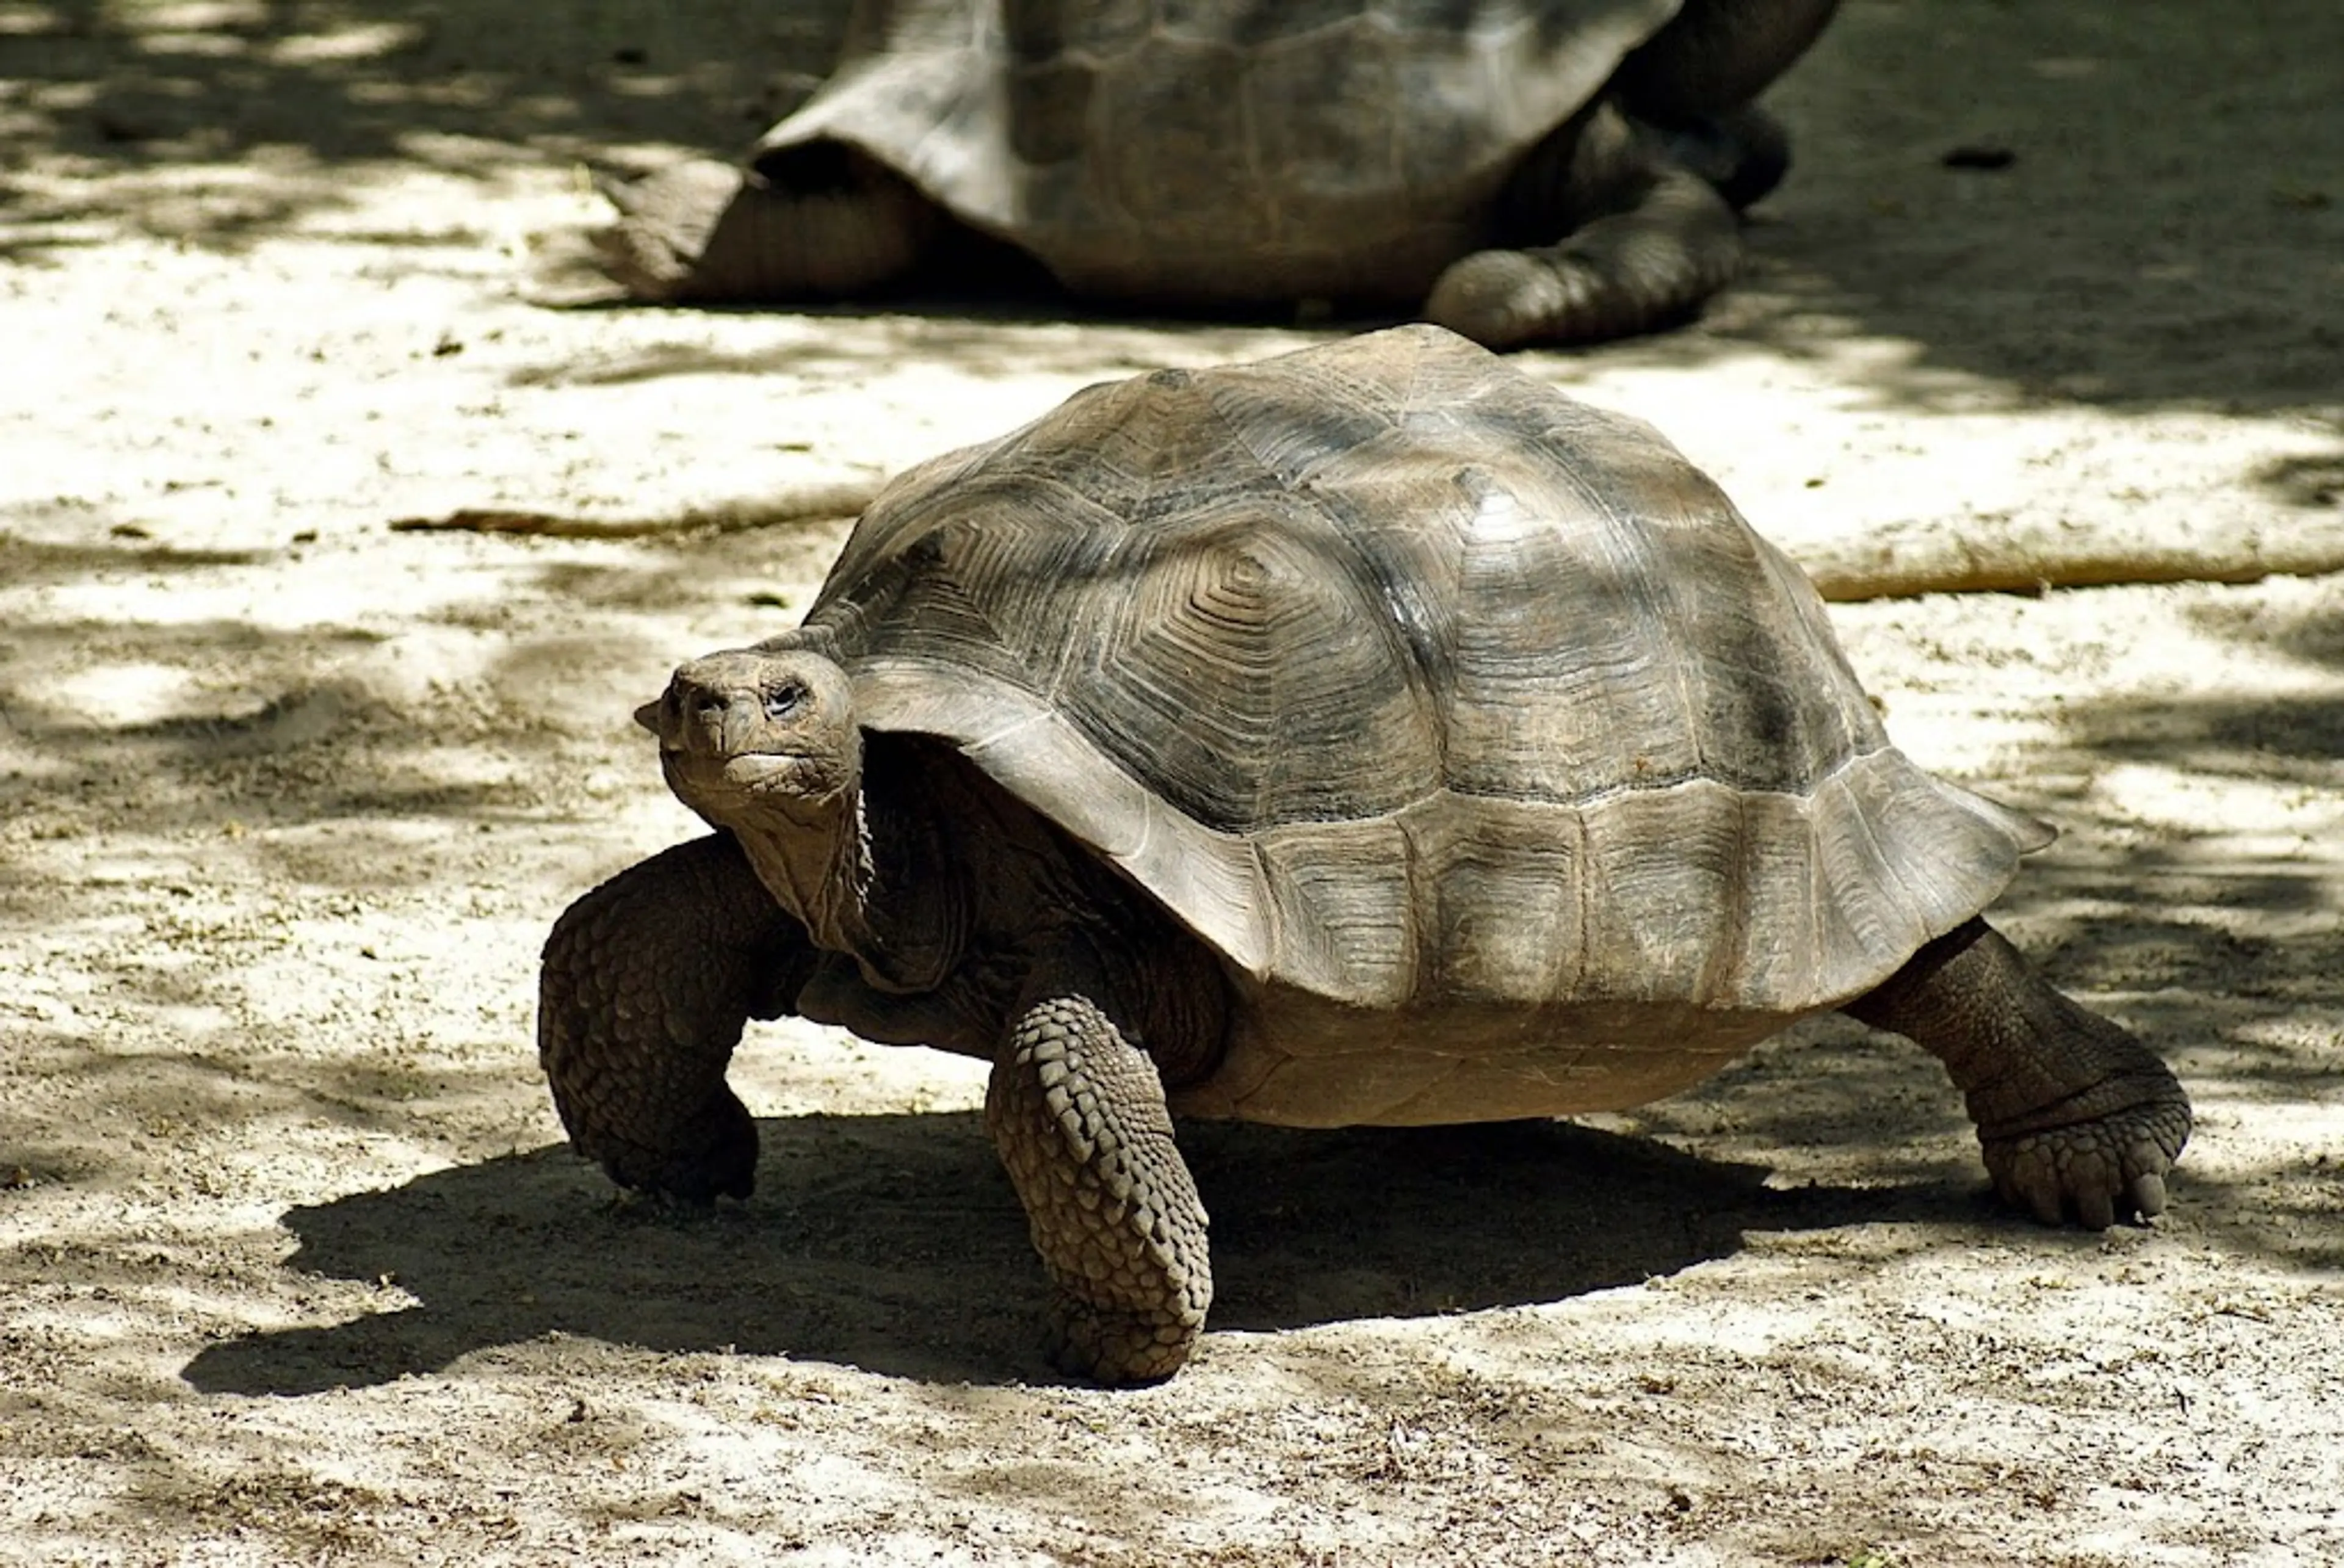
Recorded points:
(294, 1265)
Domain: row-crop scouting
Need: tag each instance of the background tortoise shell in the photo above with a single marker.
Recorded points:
(1509, 769)
(1217, 151)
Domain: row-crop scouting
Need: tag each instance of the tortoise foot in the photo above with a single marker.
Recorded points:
(1078, 1114)
(664, 220)
(2077, 1119)
(709, 1155)
(2098, 1171)
(1653, 263)
(1112, 1346)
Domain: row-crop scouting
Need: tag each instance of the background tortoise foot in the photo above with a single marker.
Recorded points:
(664, 220)
(814, 223)
(1653, 263)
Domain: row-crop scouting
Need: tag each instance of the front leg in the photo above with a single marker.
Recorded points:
(1077, 1110)
(827, 224)
(646, 984)
(2075, 1116)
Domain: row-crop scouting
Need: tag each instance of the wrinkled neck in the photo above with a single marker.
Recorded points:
(872, 880)
(820, 869)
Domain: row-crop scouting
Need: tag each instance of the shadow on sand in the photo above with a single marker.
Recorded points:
(894, 1243)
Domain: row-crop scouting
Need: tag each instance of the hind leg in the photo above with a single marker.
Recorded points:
(2077, 1118)
(816, 223)
(1742, 154)
(1715, 55)
(1693, 84)
(1644, 188)
(1645, 242)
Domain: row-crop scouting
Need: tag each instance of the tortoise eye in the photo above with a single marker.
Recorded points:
(785, 699)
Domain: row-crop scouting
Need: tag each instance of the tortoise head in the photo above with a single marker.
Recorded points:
(759, 738)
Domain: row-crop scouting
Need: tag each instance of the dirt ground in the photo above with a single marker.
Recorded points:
(293, 1264)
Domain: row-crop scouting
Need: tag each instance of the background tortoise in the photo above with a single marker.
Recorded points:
(1523, 169)
(1372, 735)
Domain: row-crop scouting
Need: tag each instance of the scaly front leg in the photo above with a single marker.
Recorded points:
(828, 225)
(646, 984)
(1077, 1111)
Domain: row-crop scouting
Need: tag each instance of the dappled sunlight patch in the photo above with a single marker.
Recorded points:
(351, 42)
(2227, 819)
(127, 695)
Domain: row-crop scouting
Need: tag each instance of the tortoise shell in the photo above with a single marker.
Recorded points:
(1218, 151)
(1461, 719)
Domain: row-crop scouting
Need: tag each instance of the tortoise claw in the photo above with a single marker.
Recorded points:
(714, 1155)
(2095, 1173)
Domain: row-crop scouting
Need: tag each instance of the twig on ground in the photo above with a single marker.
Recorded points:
(1905, 561)
(816, 502)
(1899, 560)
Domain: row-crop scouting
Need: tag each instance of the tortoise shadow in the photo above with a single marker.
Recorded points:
(894, 1243)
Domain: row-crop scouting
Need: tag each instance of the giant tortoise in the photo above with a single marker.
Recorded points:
(1521, 171)
(1368, 735)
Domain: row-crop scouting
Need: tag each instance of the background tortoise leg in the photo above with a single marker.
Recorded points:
(1715, 55)
(1741, 154)
(822, 223)
(1646, 242)
(2076, 1116)
(645, 986)
(1077, 1113)
(1644, 186)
